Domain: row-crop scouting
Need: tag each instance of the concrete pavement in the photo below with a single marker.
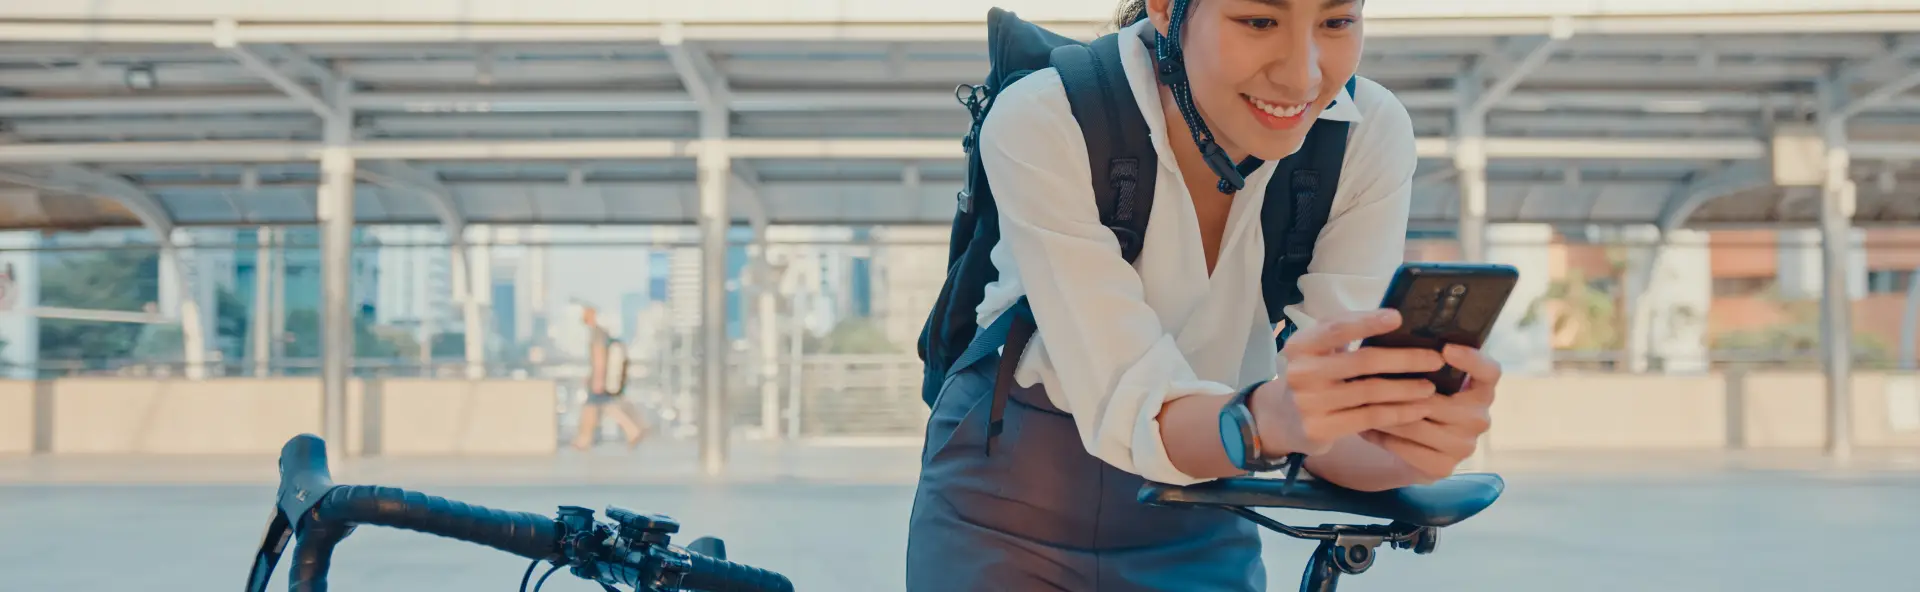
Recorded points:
(858, 461)
(839, 524)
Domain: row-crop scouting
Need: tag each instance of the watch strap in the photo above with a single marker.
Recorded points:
(1251, 459)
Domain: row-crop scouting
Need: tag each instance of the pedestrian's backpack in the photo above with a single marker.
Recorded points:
(616, 365)
(1124, 167)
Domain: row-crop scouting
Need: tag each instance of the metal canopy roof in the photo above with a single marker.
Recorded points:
(1638, 127)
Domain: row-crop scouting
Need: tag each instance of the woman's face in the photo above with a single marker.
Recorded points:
(1262, 70)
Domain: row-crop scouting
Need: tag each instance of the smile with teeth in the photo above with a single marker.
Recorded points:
(1276, 110)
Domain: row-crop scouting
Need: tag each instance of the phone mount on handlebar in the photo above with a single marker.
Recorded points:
(643, 540)
(1417, 514)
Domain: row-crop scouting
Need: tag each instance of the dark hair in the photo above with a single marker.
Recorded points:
(1129, 12)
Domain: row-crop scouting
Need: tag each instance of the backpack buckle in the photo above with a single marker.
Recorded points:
(1128, 239)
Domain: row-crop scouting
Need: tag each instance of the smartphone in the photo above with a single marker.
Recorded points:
(1445, 303)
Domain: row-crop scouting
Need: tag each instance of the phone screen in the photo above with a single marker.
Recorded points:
(1445, 303)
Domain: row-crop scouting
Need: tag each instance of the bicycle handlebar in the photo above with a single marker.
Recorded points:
(634, 551)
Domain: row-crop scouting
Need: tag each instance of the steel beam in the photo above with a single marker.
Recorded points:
(95, 26)
(1880, 95)
(404, 176)
(223, 39)
(1562, 31)
(1646, 101)
(1895, 55)
(1898, 53)
(702, 81)
(1651, 149)
(160, 221)
(145, 206)
(714, 96)
(1704, 188)
(486, 102)
(798, 101)
(100, 316)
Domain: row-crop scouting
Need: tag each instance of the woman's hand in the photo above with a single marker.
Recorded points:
(1323, 397)
(1434, 446)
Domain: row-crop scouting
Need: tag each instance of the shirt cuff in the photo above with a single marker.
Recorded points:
(1150, 458)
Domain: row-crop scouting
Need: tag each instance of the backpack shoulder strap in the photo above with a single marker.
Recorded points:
(1119, 148)
(1121, 156)
(1298, 202)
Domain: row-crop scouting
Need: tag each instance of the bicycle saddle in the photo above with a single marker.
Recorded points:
(1441, 504)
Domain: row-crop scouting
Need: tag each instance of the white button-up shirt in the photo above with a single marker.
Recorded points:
(1117, 342)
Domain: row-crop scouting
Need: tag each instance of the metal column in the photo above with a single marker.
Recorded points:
(1470, 159)
(710, 90)
(1910, 324)
(263, 296)
(714, 172)
(1470, 164)
(766, 327)
(1836, 303)
(1640, 290)
(714, 166)
(336, 267)
(277, 319)
(193, 328)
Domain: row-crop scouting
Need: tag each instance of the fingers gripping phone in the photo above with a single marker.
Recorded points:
(1445, 303)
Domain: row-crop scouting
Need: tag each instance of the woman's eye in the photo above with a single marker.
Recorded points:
(1260, 23)
(1341, 24)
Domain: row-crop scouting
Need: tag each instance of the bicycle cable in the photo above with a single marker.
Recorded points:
(543, 577)
(526, 578)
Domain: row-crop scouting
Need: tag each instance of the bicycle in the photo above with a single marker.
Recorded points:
(632, 550)
(1417, 514)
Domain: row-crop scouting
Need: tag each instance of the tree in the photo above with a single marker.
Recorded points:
(1799, 333)
(858, 335)
(121, 280)
(303, 332)
(1582, 310)
(231, 322)
(448, 345)
(397, 340)
(159, 342)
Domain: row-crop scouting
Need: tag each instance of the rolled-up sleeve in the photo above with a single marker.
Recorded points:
(1113, 364)
(1364, 240)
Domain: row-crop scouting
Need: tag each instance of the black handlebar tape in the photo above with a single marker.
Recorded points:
(719, 575)
(313, 555)
(526, 534)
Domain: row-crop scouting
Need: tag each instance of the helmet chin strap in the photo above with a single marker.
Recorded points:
(1172, 71)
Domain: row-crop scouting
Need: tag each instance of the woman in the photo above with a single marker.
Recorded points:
(1132, 365)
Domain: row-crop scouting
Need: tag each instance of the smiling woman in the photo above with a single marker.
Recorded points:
(1139, 366)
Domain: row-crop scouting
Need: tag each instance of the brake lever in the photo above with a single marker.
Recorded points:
(272, 545)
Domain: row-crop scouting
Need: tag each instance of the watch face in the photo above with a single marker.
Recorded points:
(1232, 438)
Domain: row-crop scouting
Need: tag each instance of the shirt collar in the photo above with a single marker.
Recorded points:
(1342, 109)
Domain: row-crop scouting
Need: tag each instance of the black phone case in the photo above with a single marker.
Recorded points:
(1417, 291)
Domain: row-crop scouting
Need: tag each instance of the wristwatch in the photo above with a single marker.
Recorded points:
(1241, 437)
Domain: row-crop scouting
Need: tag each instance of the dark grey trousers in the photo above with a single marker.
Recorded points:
(1041, 513)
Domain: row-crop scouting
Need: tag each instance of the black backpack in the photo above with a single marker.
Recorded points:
(1124, 165)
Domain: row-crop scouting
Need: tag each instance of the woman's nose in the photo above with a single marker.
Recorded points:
(1296, 68)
